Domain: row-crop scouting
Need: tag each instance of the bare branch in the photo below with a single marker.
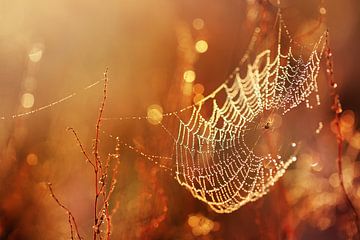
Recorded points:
(101, 110)
(336, 107)
(71, 217)
(97, 221)
(103, 187)
(81, 146)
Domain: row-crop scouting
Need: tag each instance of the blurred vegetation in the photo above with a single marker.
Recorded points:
(49, 50)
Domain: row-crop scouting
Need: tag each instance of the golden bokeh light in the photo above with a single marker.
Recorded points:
(193, 221)
(201, 46)
(32, 159)
(197, 98)
(189, 76)
(36, 53)
(201, 225)
(27, 100)
(154, 114)
(198, 23)
(322, 11)
(198, 88)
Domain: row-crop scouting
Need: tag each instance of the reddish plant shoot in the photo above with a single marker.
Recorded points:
(105, 174)
(336, 107)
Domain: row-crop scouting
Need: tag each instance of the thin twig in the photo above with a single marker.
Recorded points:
(340, 170)
(96, 230)
(71, 217)
(107, 195)
(81, 146)
(101, 170)
(338, 110)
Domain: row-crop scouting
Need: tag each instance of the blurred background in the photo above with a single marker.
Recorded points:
(161, 55)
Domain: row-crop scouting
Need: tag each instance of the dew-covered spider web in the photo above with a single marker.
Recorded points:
(232, 146)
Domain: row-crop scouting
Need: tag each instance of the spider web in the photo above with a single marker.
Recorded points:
(234, 155)
(226, 160)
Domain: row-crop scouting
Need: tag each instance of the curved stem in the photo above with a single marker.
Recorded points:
(341, 175)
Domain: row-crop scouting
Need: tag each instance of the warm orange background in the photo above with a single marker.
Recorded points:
(147, 45)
